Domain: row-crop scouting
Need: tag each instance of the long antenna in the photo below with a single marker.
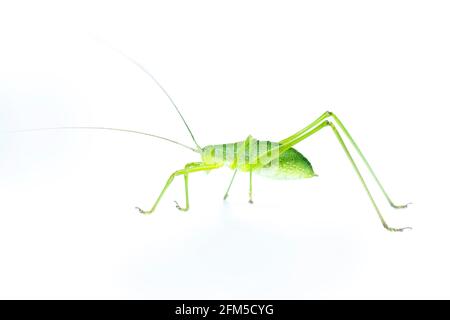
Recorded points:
(140, 66)
(111, 129)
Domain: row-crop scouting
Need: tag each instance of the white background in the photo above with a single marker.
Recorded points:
(68, 228)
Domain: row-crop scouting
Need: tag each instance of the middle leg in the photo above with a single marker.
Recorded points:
(229, 186)
(250, 191)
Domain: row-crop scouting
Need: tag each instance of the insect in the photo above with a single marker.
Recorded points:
(278, 160)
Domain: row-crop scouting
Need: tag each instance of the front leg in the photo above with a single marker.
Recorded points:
(186, 185)
(189, 168)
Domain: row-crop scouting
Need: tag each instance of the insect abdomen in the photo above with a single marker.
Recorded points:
(290, 165)
(249, 154)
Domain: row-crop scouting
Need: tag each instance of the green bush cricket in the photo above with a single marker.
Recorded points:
(278, 160)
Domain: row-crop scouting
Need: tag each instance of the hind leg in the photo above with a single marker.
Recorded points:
(312, 129)
(327, 115)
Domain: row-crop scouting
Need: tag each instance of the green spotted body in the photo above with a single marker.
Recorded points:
(261, 157)
(277, 160)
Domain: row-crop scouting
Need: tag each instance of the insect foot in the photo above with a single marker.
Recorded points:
(143, 211)
(396, 229)
(180, 208)
(402, 206)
